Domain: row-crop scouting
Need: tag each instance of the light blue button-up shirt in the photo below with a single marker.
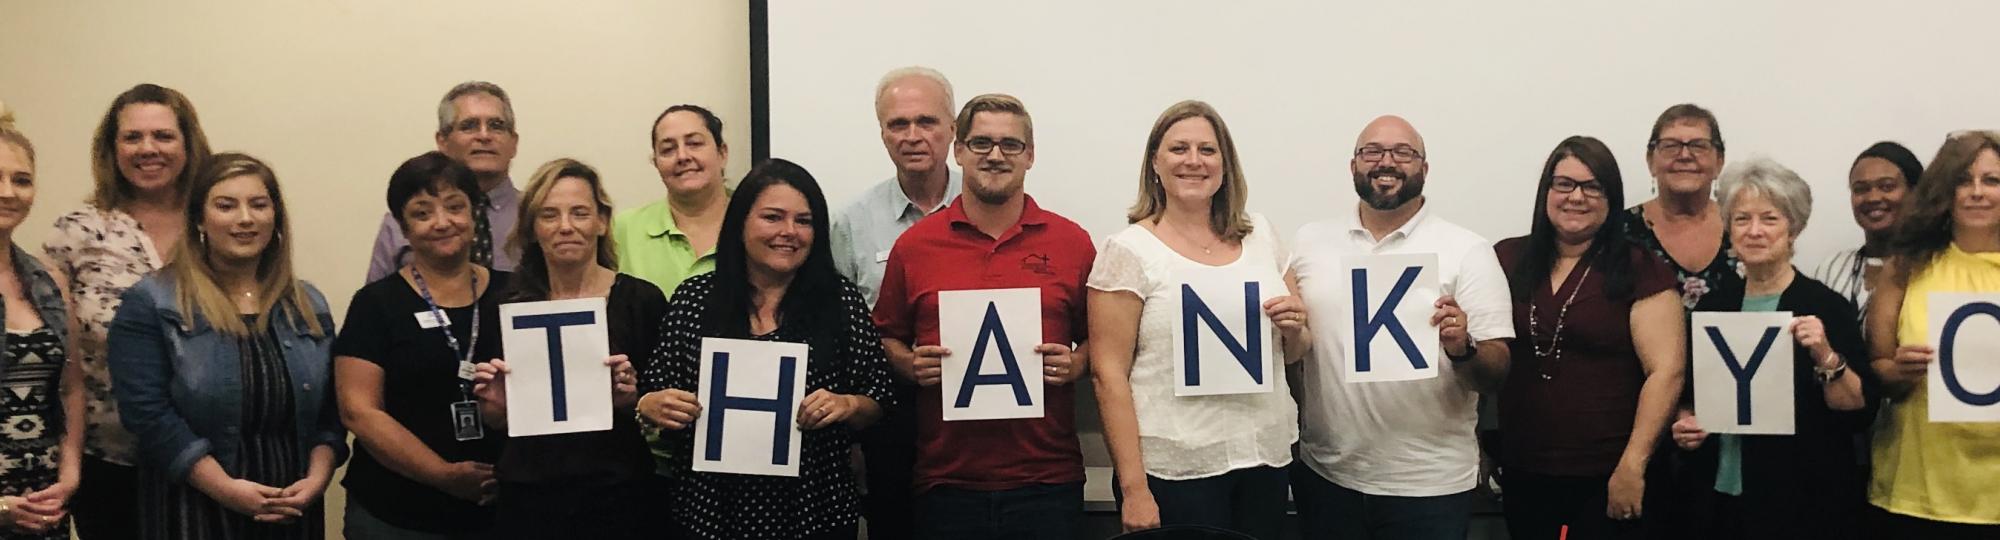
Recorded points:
(866, 229)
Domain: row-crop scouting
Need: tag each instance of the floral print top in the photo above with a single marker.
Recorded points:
(1724, 268)
(102, 252)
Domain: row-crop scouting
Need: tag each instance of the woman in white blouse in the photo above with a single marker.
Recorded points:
(1215, 460)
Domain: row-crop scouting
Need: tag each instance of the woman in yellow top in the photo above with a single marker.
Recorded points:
(1937, 480)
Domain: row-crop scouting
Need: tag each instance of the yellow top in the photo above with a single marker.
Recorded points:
(1946, 472)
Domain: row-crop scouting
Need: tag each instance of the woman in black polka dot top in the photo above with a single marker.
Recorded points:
(774, 280)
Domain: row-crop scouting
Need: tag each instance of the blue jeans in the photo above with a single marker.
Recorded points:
(1327, 510)
(1044, 512)
(1249, 501)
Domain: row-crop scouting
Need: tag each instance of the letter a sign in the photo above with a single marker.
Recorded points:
(993, 372)
(1223, 343)
(1393, 299)
(559, 382)
(1964, 382)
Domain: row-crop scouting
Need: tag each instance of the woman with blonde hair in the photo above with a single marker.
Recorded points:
(1197, 460)
(221, 363)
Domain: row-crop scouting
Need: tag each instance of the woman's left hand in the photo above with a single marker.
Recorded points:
(624, 381)
(822, 408)
(300, 495)
(25, 515)
(1811, 333)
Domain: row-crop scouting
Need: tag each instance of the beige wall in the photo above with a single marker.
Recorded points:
(335, 93)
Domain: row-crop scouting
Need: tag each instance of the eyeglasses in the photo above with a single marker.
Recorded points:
(1008, 146)
(496, 125)
(1591, 189)
(1402, 152)
(1671, 148)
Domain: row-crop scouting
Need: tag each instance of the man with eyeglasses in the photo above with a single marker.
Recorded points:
(992, 479)
(913, 108)
(475, 127)
(1395, 460)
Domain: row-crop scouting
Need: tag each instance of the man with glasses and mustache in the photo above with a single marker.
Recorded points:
(1395, 460)
(992, 479)
(475, 127)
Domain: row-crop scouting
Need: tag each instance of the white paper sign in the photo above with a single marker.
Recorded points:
(1223, 342)
(1964, 382)
(556, 351)
(1743, 370)
(750, 393)
(993, 372)
(1393, 298)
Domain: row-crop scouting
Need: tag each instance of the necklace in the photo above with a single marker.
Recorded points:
(1205, 250)
(1553, 353)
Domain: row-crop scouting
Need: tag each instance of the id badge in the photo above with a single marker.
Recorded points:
(465, 419)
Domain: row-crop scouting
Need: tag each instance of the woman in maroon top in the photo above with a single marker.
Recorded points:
(1597, 356)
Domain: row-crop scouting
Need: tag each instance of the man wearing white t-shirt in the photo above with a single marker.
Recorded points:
(1395, 460)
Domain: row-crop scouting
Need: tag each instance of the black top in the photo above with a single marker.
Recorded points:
(1811, 480)
(1695, 282)
(419, 384)
(599, 458)
(745, 507)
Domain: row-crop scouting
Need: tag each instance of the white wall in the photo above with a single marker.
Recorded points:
(1493, 86)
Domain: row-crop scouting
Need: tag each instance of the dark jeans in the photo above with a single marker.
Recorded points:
(1328, 510)
(889, 450)
(640, 509)
(1893, 526)
(1249, 501)
(1044, 512)
(106, 503)
(1538, 506)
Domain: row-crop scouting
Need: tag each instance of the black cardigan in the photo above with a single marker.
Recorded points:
(1808, 480)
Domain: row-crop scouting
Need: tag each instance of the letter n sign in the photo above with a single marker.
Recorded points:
(1964, 382)
(1222, 342)
(1390, 335)
(750, 393)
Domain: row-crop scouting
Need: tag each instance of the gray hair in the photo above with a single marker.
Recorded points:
(448, 113)
(899, 74)
(1760, 174)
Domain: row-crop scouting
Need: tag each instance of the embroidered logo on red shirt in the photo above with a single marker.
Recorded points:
(1037, 263)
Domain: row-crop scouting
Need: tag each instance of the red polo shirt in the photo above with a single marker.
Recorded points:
(945, 252)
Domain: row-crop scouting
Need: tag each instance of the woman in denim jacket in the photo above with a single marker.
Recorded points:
(220, 363)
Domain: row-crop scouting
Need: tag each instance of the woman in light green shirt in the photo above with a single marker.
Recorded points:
(674, 238)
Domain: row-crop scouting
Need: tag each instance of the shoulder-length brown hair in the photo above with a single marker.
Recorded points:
(1926, 228)
(195, 279)
(113, 190)
(1225, 211)
(531, 270)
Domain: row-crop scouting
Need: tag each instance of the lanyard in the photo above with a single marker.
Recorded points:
(464, 355)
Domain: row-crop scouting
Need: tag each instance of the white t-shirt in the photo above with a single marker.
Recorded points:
(1184, 438)
(1406, 438)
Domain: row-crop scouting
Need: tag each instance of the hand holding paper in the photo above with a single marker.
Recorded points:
(824, 408)
(1288, 313)
(1058, 365)
(1688, 433)
(670, 408)
(1451, 325)
(928, 368)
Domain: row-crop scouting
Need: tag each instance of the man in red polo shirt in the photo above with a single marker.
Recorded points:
(981, 479)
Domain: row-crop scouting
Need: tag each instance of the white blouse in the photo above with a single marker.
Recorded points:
(1189, 437)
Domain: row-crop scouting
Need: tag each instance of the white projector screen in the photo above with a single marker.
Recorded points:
(1493, 86)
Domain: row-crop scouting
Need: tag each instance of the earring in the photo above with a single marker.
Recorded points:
(204, 237)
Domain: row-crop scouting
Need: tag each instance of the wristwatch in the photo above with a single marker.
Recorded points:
(1827, 375)
(1471, 352)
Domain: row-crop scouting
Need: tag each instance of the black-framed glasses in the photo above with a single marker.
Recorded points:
(1402, 153)
(1698, 147)
(1563, 184)
(1009, 146)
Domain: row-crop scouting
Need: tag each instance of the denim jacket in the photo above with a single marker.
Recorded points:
(43, 293)
(179, 380)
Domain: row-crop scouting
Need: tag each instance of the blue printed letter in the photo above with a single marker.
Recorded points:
(1384, 319)
(554, 322)
(991, 328)
(1947, 358)
(1743, 372)
(1249, 353)
(780, 407)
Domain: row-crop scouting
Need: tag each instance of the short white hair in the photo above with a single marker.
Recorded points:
(899, 74)
(1789, 193)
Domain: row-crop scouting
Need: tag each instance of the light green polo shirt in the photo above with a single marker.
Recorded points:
(651, 248)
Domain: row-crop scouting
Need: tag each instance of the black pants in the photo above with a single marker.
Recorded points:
(640, 509)
(1249, 501)
(1538, 506)
(106, 503)
(889, 450)
(1893, 526)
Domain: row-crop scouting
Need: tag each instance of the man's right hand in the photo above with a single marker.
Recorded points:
(928, 368)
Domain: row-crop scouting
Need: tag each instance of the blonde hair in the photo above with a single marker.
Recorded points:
(13, 136)
(195, 280)
(994, 103)
(1225, 210)
(531, 274)
(113, 190)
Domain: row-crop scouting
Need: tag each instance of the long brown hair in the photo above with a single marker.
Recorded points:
(1225, 210)
(194, 277)
(531, 272)
(113, 190)
(1926, 226)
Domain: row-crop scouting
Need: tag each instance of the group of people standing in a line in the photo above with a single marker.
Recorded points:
(168, 375)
